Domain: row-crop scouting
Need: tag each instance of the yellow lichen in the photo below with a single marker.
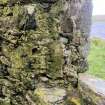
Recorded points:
(4, 1)
(75, 101)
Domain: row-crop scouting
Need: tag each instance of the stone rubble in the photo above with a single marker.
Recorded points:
(92, 90)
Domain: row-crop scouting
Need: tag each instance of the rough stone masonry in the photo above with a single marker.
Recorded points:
(43, 47)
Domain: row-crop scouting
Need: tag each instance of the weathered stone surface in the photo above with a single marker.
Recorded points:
(92, 90)
(41, 42)
(48, 95)
(75, 36)
(51, 95)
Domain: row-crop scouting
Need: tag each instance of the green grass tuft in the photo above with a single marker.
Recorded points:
(96, 58)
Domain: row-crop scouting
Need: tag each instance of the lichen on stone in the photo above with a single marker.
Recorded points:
(41, 51)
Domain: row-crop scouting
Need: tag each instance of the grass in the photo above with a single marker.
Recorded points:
(96, 58)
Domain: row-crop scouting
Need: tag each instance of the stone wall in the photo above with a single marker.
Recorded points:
(43, 47)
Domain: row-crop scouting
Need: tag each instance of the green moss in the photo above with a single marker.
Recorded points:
(39, 97)
(19, 16)
(55, 60)
(16, 10)
(29, 52)
(5, 102)
(73, 101)
(7, 11)
(4, 2)
(41, 18)
(47, 22)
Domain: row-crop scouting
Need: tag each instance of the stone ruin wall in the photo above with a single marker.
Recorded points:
(43, 47)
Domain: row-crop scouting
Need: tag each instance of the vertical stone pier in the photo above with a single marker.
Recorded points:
(43, 47)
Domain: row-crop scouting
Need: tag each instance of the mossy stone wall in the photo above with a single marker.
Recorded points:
(42, 48)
